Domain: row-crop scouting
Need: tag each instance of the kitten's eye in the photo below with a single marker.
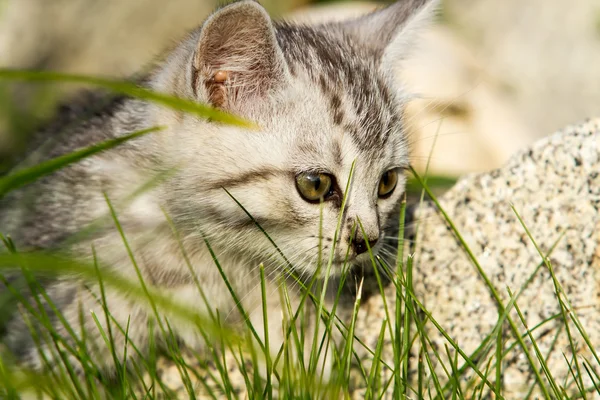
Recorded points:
(387, 184)
(314, 187)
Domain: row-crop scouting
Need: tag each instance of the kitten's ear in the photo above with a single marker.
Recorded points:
(237, 56)
(389, 32)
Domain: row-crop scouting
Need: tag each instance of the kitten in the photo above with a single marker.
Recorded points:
(323, 97)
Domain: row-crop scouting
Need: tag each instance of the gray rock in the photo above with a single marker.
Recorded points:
(555, 187)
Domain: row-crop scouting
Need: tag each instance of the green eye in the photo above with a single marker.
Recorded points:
(387, 184)
(314, 187)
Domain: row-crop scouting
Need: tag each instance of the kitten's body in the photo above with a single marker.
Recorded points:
(323, 98)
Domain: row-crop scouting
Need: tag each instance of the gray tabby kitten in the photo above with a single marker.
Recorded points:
(323, 98)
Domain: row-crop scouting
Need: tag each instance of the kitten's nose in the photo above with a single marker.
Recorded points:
(360, 246)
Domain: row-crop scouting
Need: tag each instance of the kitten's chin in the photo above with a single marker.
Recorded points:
(338, 266)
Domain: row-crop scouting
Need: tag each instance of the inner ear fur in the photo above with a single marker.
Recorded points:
(389, 33)
(237, 56)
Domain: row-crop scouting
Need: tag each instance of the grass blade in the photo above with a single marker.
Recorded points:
(559, 294)
(129, 89)
(375, 365)
(27, 175)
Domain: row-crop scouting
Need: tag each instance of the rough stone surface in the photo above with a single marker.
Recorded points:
(555, 187)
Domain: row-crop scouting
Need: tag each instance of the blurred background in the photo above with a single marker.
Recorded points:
(490, 76)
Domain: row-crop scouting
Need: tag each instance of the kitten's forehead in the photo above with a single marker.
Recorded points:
(359, 99)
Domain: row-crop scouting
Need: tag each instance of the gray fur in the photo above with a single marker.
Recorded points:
(323, 98)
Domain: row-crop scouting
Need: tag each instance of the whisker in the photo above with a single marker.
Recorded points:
(267, 276)
(388, 238)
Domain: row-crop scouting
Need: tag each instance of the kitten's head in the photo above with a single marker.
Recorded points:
(326, 105)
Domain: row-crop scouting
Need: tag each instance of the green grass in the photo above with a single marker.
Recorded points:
(404, 362)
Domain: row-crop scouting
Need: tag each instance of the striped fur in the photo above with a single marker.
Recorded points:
(324, 99)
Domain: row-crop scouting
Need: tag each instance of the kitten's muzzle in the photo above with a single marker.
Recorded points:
(360, 245)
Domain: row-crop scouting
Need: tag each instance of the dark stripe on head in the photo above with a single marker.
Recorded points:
(342, 68)
(337, 152)
(246, 178)
(336, 109)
